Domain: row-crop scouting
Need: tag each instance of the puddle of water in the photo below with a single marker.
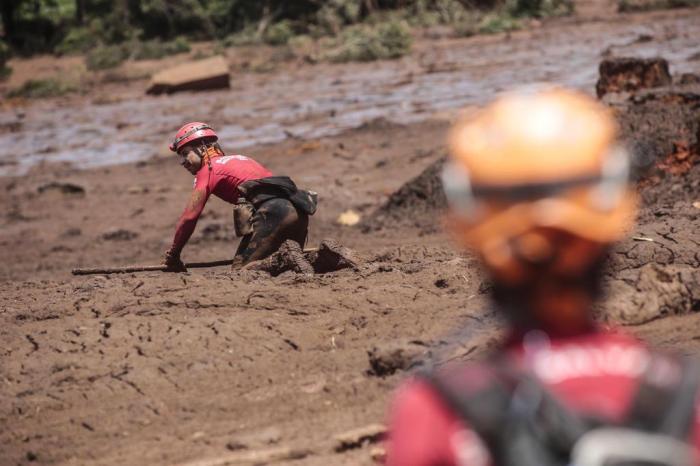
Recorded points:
(314, 102)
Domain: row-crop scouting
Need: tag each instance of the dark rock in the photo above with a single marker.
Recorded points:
(72, 232)
(119, 234)
(357, 438)
(395, 356)
(63, 188)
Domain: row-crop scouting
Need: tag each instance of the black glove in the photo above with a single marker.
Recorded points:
(173, 263)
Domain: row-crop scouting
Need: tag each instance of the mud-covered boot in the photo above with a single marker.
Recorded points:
(289, 256)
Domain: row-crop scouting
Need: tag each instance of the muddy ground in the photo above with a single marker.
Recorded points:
(194, 368)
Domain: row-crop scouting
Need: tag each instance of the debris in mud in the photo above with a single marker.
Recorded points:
(386, 359)
(348, 218)
(15, 214)
(270, 455)
(72, 232)
(63, 188)
(628, 74)
(689, 78)
(378, 124)
(329, 257)
(119, 234)
(208, 74)
(662, 128)
(215, 232)
(332, 256)
(378, 455)
(359, 437)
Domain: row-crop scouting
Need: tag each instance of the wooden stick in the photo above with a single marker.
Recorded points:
(156, 268)
(148, 268)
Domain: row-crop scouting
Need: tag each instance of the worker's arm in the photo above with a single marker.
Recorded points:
(186, 225)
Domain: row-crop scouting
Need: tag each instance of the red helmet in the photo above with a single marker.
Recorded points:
(192, 132)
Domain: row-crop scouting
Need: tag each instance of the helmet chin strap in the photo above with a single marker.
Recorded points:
(206, 152)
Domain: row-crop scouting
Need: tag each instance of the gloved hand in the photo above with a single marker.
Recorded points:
(173, 263)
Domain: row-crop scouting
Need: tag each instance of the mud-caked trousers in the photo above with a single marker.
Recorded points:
(274, 221)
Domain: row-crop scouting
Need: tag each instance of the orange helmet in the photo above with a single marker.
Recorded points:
(533, 160)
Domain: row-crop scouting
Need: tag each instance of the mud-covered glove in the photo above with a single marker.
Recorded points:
(173, 263)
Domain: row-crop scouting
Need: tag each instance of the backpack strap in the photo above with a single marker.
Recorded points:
(519, 420)
(665, 399)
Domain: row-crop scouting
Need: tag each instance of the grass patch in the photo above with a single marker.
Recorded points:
(646, 5)
(78, 40)
(42, 88)
(539, 8)
(511, 16)
(495, 23)
(279, 33)
(366, 43)
(5, 70)
(246, 36)
(155, 49)
(105, 56)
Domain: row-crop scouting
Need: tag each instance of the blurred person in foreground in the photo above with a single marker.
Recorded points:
(538, 189)
(268, 209)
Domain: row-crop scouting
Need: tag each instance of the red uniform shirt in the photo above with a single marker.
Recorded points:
(596, 373)
(226, 174)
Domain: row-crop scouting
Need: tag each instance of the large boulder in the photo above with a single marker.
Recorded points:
(200, 75)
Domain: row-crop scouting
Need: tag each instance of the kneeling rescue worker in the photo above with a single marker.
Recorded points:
(538, 189)
(268, 209)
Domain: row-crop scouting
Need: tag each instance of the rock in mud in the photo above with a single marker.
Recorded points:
(648, 293)
(63, 188)
(356, 438)
(628, 74)
(201, 75)
(119, 234)
(396, 356)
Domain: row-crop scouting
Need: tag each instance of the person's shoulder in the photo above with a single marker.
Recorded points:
(227, 159)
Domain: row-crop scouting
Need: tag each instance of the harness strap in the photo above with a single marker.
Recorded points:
(665, 398)
(522, 423)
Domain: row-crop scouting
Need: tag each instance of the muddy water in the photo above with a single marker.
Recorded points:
(316, 101)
